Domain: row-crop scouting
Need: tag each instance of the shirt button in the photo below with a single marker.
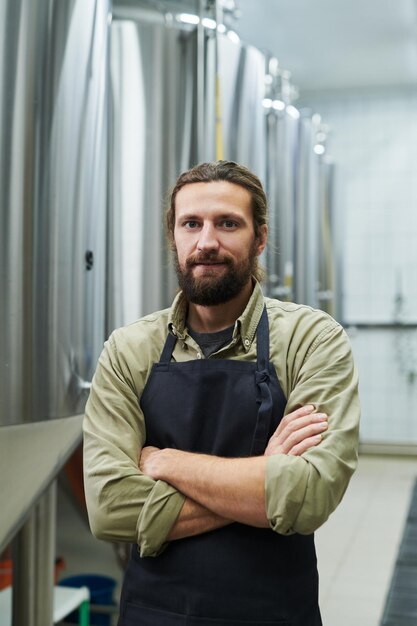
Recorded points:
(247, 343)
(198, 355)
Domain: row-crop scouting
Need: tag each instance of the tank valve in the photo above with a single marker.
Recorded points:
(89, 260)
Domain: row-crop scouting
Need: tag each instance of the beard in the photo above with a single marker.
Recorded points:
(212, 289)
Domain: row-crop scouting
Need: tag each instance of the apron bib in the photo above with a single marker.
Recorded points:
(237, 575)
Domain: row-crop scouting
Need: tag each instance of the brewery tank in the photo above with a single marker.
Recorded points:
(53, 151)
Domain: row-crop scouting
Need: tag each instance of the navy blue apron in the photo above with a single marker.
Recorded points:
(237, 575)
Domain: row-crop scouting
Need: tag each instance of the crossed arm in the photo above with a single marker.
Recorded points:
(220, 491)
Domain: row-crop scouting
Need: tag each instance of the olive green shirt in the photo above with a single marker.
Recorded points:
(313, 361)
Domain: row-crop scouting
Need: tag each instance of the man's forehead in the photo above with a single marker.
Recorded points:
(223, 193)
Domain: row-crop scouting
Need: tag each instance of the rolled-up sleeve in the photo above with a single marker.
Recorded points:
(301, 492)
(123, 504)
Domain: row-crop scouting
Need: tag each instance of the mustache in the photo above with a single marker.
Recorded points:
(207, 257)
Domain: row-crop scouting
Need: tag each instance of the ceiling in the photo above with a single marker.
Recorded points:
(336, 44)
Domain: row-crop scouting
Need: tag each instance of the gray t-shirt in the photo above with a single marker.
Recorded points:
(211, 342)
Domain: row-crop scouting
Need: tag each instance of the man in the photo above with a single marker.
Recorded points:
(222, 432)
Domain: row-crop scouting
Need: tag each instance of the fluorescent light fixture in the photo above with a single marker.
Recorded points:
(319, 149)
(188, 18)
(221, 28)
(209, 23)
(293, 112)
(278, 105)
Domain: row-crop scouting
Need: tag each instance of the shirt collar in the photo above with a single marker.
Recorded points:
(245, 325)
(250, 317)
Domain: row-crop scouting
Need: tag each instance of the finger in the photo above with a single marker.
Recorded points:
(283, 443)
(301, 434)
(144, 463)
(315, 420)
(305, 445)
(295, 439)
(145, 454)
(149, 449)
(302, 412)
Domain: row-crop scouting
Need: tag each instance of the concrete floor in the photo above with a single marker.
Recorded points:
(356, 548)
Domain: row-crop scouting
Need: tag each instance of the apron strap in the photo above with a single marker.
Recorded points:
(262, 379)
(262, 342)
(168, 349)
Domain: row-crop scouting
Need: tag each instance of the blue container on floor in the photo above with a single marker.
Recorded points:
(101, 592)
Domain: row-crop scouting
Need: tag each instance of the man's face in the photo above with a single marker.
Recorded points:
(215, 242)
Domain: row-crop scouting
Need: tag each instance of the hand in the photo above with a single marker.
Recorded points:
(148, 460)
(297, 432)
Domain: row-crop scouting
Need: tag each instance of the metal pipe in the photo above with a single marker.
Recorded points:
(45, 537)
(201, 79)
(23, 598)
(33, 565)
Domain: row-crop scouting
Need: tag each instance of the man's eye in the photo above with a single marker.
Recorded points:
(229, 224)
(191, 224)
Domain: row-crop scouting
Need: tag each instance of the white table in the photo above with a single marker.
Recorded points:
(66, 600)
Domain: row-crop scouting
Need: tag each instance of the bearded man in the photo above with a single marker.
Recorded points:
(222, 432)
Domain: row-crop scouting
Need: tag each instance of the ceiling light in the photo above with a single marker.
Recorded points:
(209, 23)
(188, 18)
(319, 149)
(278, 105)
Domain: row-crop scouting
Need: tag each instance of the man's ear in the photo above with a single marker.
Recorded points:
(262, 239)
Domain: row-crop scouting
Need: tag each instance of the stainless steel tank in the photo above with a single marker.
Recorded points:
(241, 72)
(314, 256)
(328, 289)
(283, 141)
(53, 74)
(306, 214)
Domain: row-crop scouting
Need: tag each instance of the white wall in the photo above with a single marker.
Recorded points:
(374, 144)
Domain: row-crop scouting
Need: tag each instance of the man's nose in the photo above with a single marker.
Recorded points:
(208, 239)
